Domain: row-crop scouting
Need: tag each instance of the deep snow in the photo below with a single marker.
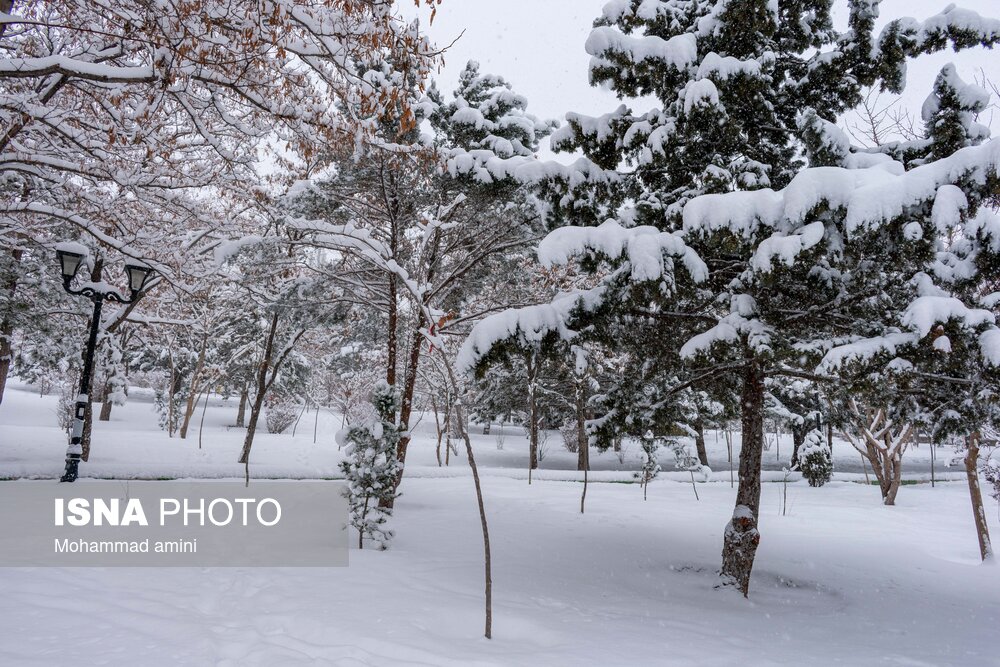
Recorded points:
(839, 579)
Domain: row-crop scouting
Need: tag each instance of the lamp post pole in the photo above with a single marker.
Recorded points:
(71, 256)
(75, 449)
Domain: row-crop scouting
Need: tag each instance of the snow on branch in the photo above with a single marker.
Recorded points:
(962, 26)
(870, 196)
(926, 311)
(72, 67)
(865, 349)
(642, 247)
(525, 328)
(485, 167)
(678, 51)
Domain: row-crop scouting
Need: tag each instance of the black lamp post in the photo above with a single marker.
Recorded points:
(71, 256)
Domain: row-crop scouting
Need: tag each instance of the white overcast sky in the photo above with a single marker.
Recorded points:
(537, 45)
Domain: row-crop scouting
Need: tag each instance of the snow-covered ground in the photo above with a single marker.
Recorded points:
(839, 578)
(131, 445)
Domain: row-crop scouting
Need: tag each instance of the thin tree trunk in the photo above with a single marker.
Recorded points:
(487, 561)
(741, 534)
(699, 441)
(241, 412)
(532, 422)
(976, 495)
(406, 408)
(201, 425)
(195, 389)
(582, 441)
(933, 446)
(316, 424)
(258, 399)
(305, 404)
(437, 427)
(392, 340)
(170, 398)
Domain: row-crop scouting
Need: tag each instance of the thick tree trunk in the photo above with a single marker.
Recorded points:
(106, 405)
(741, 535)
(892, 482)
(699, 441)
(258, 399)
(976, 495)
(241, 412)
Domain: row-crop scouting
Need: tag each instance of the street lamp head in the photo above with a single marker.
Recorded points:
(138, 275)
(70, 258)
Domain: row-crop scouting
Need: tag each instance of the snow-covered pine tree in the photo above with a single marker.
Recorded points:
(486, 114)
(815, 461)
(370, 467)
(757, 287)
(916, 361)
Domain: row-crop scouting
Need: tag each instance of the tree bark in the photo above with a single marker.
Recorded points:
(105, 403)
(532, 370)
(392, 343)
(437, 428)
(799, 432)
(194, 389)
(741, 534)
(406, 408)
(699, 441)
(241, 412)
(976, 495)
(582, 441)
(258, 399)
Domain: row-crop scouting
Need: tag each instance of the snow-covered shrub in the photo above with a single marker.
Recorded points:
(280, 415)
(370, 467)
(650, 466)
(815, 460)
(570, 437)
